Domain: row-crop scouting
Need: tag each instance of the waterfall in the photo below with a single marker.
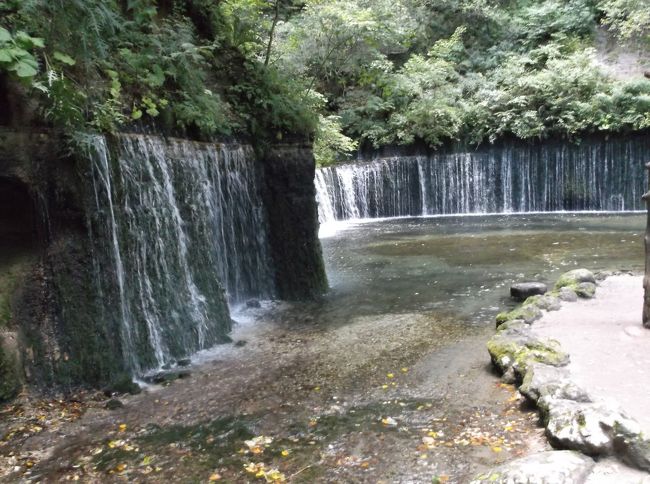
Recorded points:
(595, 175)
(178, 228)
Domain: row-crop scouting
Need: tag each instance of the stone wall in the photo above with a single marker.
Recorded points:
(290, 199)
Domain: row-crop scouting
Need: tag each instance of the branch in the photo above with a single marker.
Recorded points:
(276, 17)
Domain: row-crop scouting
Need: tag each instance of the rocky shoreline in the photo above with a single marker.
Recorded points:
(575, 422)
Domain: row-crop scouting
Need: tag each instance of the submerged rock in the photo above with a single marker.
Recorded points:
(586, 290)
(113, 404)
(253, 303)
(550, 467)
(122, 385)
(167, 376)
(526, 313)
(523, 290)
(184, 362)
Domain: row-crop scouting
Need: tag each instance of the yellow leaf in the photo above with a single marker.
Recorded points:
(385, 387)
(122, 427)
(496, 449)
(285, 453)
(274, 475)
(390, 375)
(120, 467)
(405, 370)
(214, 477)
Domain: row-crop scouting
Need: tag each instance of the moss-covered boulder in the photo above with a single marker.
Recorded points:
(514, 325)
(527, 313)
(565, 294)
(547, 302)
(545, 380)
(586, 290)
(517, 350)
(573, 278)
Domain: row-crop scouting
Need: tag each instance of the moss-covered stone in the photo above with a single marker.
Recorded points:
(526, 313)
(518, 351)
(586, 290)
(575, 277)
(513, 325)
(547, 302)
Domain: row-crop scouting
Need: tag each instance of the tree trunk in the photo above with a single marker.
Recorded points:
(646, 279)
(276, 18)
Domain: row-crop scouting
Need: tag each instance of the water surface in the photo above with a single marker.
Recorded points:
(463, 265)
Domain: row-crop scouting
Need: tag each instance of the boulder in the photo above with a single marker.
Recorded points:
(253, 303)
(573, 278)
(545, 380)
(586, 290)
(593, 428)
(517, 350)
(523, 290)
(550, 467)
(547, 302)
(514, 325)
(529, 314)
(567, 294)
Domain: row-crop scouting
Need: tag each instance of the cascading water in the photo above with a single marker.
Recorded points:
(594, 175)
(174, 225)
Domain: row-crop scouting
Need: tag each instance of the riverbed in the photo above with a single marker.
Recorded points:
(385, 379)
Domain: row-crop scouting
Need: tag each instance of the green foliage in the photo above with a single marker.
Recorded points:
(390, 71)
(192, 65)
(16, 53)
(331, 145)
(627, 18)
(520, 68)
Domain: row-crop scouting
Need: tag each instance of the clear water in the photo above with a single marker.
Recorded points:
(462, 266)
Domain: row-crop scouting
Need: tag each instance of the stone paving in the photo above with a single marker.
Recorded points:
(586, 365)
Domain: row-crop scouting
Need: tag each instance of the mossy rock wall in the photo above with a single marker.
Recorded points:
(65, 338)
(290, 199)
(62, 341)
